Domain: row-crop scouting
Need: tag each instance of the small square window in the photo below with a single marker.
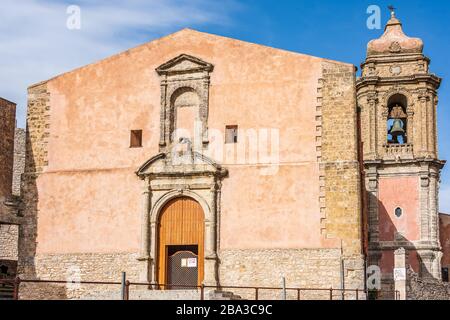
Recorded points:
(231, 134)
(136, 139)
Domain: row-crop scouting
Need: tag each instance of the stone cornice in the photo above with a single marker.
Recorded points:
(418, 161)
(380, 59)
(413, 79)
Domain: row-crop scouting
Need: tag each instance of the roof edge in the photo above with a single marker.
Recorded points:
(184, 30)
(8, 101)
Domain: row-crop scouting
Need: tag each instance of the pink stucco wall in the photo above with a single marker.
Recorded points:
(387, 261)
(444, 224)
(400, 192)
(89, 197)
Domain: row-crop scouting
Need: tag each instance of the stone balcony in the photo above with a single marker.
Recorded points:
(398, 151)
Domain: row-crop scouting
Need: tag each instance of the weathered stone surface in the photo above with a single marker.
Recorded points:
(19, 160)
(340, 169)
(9, 236)
(426, 289)
(302, 268)
(77, 267)
(7, 127)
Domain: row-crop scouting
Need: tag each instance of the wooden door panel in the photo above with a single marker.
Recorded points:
(181, 222)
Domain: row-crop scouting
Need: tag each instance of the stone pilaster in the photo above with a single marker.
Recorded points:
(145, 257)
(372, 100)
(211, 258)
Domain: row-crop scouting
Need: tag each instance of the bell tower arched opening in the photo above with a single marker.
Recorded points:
(397, 120)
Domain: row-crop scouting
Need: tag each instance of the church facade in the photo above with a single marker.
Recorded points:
(198, 159)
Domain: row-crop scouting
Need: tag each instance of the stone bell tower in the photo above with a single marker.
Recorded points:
(397, 100)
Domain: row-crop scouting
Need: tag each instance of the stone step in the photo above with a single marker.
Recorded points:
(162, 295)
(6, 292)
(222, 295)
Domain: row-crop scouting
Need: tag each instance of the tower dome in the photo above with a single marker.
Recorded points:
(394, 41)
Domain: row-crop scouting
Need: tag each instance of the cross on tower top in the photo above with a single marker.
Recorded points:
(392, 9)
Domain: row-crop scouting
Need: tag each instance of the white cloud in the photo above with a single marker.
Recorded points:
(36, 44)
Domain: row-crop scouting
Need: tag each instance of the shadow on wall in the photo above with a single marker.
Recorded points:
(8, 269)
(388, 232)
(28, 235)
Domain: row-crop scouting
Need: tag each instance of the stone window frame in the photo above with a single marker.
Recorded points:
(183, 72)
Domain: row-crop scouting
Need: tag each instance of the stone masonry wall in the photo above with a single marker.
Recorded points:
(341, 181)
(79, 267)
(38, 125)
(302, 268)
(9, 235)
(306, 268)
(19, 160)
(426, 289)
(7, 126)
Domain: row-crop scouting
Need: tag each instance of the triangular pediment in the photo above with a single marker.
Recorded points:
(163, 164)
(184, 64)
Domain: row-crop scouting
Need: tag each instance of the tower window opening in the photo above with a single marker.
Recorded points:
(397, 120)
(398, 212)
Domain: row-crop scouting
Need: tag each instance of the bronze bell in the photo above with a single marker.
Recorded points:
(397, 128)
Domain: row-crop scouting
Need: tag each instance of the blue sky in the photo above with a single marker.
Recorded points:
(36, 44)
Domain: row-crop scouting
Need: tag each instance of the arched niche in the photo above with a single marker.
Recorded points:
(186, 123)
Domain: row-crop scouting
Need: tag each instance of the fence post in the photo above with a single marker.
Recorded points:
(357, 297)
(331, 293)
(298, 294)
(16, 288)
(283, 280)
(123, 284)
(256, 293)
(202, 292)
(127, 290)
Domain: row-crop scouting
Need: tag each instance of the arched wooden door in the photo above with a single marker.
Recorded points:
(181, 233)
